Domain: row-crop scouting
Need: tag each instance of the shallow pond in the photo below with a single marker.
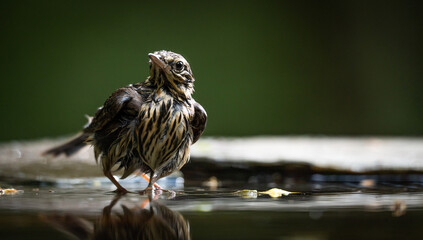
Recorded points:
(86, 209)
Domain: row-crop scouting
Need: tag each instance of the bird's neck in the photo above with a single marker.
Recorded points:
(180, 91)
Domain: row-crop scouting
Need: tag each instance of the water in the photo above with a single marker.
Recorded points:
(86, 209)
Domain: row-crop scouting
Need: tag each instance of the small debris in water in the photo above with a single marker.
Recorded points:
(9, 191)
(367, 183)
(398, 208)
(212, 183)
(247, 193)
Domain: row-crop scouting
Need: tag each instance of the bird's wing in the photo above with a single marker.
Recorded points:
(122, 106)
(118, 110)
(198, 123)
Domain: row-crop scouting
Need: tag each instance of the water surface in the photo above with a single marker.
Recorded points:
(323, 210)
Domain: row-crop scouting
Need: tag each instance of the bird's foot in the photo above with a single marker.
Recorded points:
(152, 191)
(149, 191)
(121, 191)
(154, 194)
(169, 194)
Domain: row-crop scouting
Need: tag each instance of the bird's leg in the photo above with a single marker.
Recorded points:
(120, 189)
(149, 190)
(147, 178)
(159, 190)
(150, 182)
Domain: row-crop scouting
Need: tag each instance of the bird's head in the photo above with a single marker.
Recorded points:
(172, 71)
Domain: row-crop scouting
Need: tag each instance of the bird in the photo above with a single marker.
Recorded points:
(147, 127)
(148, 220)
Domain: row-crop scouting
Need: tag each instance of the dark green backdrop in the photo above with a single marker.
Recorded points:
(262, 67)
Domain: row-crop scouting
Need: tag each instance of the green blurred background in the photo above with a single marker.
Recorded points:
(261, 67)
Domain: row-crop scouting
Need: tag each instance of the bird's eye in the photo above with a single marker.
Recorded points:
(179, 66)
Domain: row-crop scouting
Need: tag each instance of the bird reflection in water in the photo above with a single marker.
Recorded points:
(149, 220)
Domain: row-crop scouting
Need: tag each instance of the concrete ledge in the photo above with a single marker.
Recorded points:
(336, 153)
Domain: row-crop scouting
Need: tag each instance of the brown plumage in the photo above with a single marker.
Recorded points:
(148, 126)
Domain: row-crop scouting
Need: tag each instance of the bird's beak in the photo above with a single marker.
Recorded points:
(156, 61)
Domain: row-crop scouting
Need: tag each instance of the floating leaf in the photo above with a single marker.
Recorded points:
(276, 192)
(9, 191)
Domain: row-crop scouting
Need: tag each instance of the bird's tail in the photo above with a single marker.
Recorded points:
(70, 147)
